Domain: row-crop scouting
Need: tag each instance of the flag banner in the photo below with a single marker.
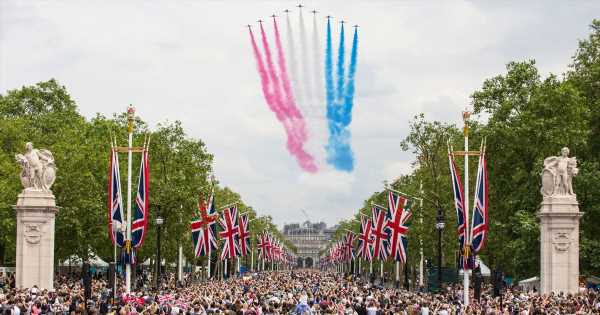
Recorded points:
(380, 238)
(230, 233)
(139, 226)
(116, 228)
(365, 240)
(204, 227)
(479, 223)
(349, 246)
(263, 246)
(459, 202)
(244, 235)
(396, 226)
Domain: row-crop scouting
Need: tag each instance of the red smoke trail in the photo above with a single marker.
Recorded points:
(290, 102)
(272, 94)
(264, 79)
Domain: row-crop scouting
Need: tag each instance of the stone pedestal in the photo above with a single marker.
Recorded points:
(36, 211)
(559, 238)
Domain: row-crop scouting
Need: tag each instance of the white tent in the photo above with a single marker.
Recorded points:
(485, 270)
(528, 284)
(77, 262)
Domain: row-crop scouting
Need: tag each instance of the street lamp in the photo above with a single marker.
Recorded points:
(439, 226)
(159, 222)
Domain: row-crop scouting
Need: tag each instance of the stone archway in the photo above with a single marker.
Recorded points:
(309, 263)
(299, 261)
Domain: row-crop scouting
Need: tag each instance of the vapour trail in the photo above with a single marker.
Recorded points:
(340, 67)
(304, 64)
(288, 98)
(339, 103)
(344, 158)
(329, 90)
(294, 140)
(349, 93)
(317, 66)
(293, 64)
(264, 79)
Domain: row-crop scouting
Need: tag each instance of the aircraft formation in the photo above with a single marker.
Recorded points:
(300, 6)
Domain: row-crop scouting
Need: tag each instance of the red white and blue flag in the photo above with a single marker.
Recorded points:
(230, 233)
(116, 229)
(480, 219)
(349, 246)
(365, 240)
(380, 239)
(139, 226)
(396, 226)
(263, 246)
(204, 227)
(461, 218)
(244, 235)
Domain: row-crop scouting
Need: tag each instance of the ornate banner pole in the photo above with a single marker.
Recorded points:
(130, 117)
(466, 115)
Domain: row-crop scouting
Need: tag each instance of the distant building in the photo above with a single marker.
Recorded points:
(310, 240)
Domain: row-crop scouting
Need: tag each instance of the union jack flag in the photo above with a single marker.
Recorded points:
(115, 202)
(381, 243)
(230, 233)
(263, 246)
(459, 203)
(349, 246)
(204, 228)
(140, 213)
(365, 240)
(479, 225)
(396, 226)
(244, 235)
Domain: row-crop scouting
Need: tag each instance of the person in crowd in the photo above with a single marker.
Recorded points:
(282, 292)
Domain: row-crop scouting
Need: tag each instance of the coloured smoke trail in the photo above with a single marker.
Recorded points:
(301, 94)
(286, 113)
(340, 101)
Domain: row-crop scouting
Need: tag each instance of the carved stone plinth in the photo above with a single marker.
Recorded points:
(559, 223)
(36, 211)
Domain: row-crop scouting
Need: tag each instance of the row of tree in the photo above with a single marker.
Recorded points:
(525, 118)
(46, 115)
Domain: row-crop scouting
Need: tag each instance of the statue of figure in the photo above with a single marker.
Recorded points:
(557, 176)
(38, 170)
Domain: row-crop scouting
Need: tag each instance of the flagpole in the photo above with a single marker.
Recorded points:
(466, 206)
(130, 116)
(397, 274)
(422, 261)
(238, 265)
(381, 269)
(208, 267)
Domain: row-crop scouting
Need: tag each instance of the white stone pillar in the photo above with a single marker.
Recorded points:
(559, 224)
(36, 212)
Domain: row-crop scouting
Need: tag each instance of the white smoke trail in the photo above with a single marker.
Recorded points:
(293, 67)
(305, 68)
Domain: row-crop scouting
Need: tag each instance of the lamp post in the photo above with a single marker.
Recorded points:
(159, 222)
(439, 226)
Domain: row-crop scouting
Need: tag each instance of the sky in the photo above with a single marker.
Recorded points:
(192, 61)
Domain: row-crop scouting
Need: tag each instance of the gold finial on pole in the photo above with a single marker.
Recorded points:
(130, 116)
(466, 114)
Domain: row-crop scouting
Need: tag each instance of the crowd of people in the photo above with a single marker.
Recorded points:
(282, 292)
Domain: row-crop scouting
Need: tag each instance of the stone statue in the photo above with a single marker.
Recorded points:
(557, 176)
(38, 170)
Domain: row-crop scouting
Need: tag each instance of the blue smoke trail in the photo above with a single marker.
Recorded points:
(349, 94)
(329, 76)
(340, 67)
(339, 107)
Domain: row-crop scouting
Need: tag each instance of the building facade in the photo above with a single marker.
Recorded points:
(310, 240)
